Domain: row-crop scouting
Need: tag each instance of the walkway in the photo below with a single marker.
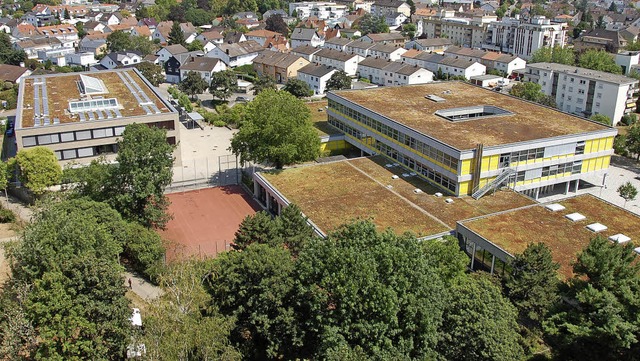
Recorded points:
(142, 288)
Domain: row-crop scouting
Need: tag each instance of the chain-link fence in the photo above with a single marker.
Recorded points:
(206, 172)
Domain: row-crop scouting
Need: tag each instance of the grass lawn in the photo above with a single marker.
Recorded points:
(319, 118)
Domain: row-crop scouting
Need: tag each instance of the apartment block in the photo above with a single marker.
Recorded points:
(511, 35)
(584, 91)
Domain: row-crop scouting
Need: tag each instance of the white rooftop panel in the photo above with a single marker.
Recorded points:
(637, 250)
(92, 85)
(619, 238)
(596, 227)
(554, 207)
(575, 217)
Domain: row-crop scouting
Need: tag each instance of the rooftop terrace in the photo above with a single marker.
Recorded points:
(335, 193)
(51, 94)
(407, 105)
(512, 231)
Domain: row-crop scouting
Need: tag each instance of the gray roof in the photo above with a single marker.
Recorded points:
(306, 50)
(360, 44)
(237, 49)
(184, 57)
(200, 64)
(316, 70)
(338, 41)
(433, 42)
(92, 43)
(335, 54)
(282, 60)
(376, 63)
(119, 56)
(380, 37)
(389, 3)
(385, 48)
(583, 72)
(408, 69)
(176, 49)
(303, 34)
(445, 60)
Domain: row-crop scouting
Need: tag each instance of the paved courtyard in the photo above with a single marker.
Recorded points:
(622, 170)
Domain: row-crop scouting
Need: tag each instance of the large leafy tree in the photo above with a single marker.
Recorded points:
(277, 24)
(601, 322)
(223, 84)
(338, 81)
(119, 41)
(145, 162)
(152, 72)
(532, 92)
(601, 118)
(193, 84)
(557, 54)
(74, 298)
(176, 35)
(372, 24)
(599, 60)
(479, 323)
(179, 326)
(8, 55)
(298, 88)
(277, 129)
(533, 284)
(257, 287)
(263, 82)
(38, 168)
(370, 292)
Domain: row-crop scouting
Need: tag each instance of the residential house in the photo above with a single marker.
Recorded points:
(359, 47)
(395, 20)
(316, 76)
(387, 38)
(267, 14)
(445, 65)
(94, 26)
(337, 43)
(143, 31)
(23, 30)
(302, 36)
(13, 74)
(245, 15)
(279, 66)
(351, 33)
(262, 36)
(306, 51)
(504, 63)
(174, 63)
(585, 91)
(392, 73)
(33, 45)
(234, 37)
(600, 39)
(213, 36)
(202, 65)
(628, 61)
(630, 33)
(162, 31)
(248, 23)
(237, 54)
(168, 51)
(151, 23)
(386, 7)
(347, 62)
(331, 33)
(66, 33)
(120, 59)
(435, 45)
(80, 59)
(387, 51)
(317, 9)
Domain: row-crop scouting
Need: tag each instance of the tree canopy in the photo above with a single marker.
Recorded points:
(152, 72)
(176, 35)
(277, 24)
(298, 88)
(532, 92)
(369, 23)
(338, 81)
(557, 54)
(601, 118)
(599, 60)
(38, 168)
(277, 129)
(223, 84)
(193, 84)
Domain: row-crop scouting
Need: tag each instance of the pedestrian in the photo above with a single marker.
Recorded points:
(130, 286)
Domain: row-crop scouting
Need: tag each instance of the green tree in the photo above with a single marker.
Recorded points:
(144, 249)
(66, 14)
(633, 140)
(80, 29)
(180, 325)
(91, 181)
(533, 284)
(4, 177)
(601, 322)
(628, 192)
(298, 88)
(75, 302)
(600, 23)
(556, 54)
(257, 228)
(256, 287)
(176, 35)
(369, 292)
(479, 323)
(143, 45)
(372, 24)
(293, 229)
(8, 55)
(412, 6)
(145, 162)
(601, 118)
(527, 90)
(447, 259)
(599, 60)
(409, 30)
(38, 169)
(277, 24)
(338, 81)
(633, 46)
(277, 129)
(262, 83)
(198, 17)
(613, 7)
(152, 72)
(119, 41)
(195, 45)
(223, 84)
(193, 84)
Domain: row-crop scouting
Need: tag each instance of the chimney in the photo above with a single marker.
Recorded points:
(227, 51)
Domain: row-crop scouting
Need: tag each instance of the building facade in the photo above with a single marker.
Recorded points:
(511, 35)
(81, 116)
(468, 140)
(586, 92)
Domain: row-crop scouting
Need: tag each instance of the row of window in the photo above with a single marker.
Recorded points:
(427, 150)
(77, 135)
(536, 153)
(573, 167)
(392, 153)
(68, 154)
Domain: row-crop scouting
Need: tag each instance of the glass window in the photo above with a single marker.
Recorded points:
(82, 135)
(69, 154)
(99, 133)
(118, 130)
(85, 152)
(28, 141)
(67, 137)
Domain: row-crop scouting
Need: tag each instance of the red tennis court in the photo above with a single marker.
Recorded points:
(205, 220)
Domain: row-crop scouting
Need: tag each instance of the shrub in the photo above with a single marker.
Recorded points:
(629, 119)
(6, 216)
(143, 248)
(219, 123)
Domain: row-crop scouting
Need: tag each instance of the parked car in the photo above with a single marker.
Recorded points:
(242, 99)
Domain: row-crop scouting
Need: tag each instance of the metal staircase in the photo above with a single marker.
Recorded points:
(499, 180)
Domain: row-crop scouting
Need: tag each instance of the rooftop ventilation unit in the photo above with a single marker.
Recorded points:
(555, 207)
(596, 227)
(435, 98)
(619, 238)
(575, 217)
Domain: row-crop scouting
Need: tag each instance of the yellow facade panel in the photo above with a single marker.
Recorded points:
(463, 188)
(465, 167)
